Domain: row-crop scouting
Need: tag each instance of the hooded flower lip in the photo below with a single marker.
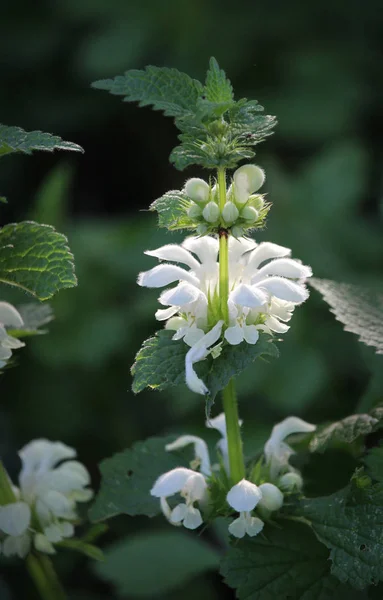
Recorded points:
(277, 452)
(244, 497)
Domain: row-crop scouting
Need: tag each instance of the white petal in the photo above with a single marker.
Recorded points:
(58, 504)
(288, 426)
(195, 488)
(274, 325)
(193, 335)
(163, 314)
(162, 275)
(238, 247)
(251, 334)
(9, 316)
(15, 518)
(39, 456)
(198, 352)
(178, 324)
(166, 510)
(178, 513)
(251, 297)
(70, 476)
(283, 267)
(200, 450)
(218, 423)
(272, 497)
(238, 527)
(290, 482)
(193, 518)
(194, 383)
(253, 526)
(281, 309)
(184, 293)
(171, 482)
(17, 545)
(174, 253)
(53, 533)
(197, 189)
(42, 544)
(67, 529)
(244, 496)
(265, 251)
(206, 248)
(234, 335)
(284, 289)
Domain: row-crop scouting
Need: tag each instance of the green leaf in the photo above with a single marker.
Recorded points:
(34, 316)
(347, 430)
(217, 87)
(160, 363)
(359, 309)
(3, 200)
(15, 139)
(172, 211)
(350, 524)
(84, 548)
(152, 564)
(374, 463)
(282, 563)
(164, 89)
(127, 478)
(36, 259)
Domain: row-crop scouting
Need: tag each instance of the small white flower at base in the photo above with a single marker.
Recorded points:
(230, 212)
(247, 180)
(211, 212)
(191, 486)
(246, 524)
(290, 482)
(244, 497)
(197, 189)
(272, 497)
(277, 452)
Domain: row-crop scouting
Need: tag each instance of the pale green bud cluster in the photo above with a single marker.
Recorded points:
(243, 208)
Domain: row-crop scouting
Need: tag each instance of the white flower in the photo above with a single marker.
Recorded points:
(198, 352)
(247, 180)
(46, 498)
(201, 451)
(9, 317)
(272, 497)
(265, 285)
(192, 487)
(291, 481)
(244, 497)
(277, 452)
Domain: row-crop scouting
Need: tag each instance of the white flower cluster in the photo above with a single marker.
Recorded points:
(9, 317)
(44, 510)
(245, 496)
(265, 286)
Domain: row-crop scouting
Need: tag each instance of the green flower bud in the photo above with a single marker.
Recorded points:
(198, 190)
(202, 229)
(257, 201)
(291, 482)
(194, 211)
(250, 214)
(236, 231)
(247, 180)
(272, 497)
(230, 212)
(211, 212)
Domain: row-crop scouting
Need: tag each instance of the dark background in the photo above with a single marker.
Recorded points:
(317, 66)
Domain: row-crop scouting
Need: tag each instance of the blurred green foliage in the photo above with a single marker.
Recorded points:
(318, 68)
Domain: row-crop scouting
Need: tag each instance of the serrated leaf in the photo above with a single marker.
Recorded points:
(359, 309)
(374, 463)
(15, 139)
(347, 430)
(286, 562)
(217, 87)
(89, 550)
(160, 363)
(157, 562)
(34, 316)
(36, 259)
(350, 524)
(127, 478)
(164, 89)
(172, 211)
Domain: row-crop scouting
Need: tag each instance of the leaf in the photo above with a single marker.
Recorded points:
(36, 259)
(160, 363)
(15, 139)
(284, 563)
(350, 524)
(374, 463)
(34, 316)
(3, 200)
(127, 478)
(164, 89)
(89, 550)
(217, 87)
(347, 430)
(172, 211)
(360, 309)
(154, 563)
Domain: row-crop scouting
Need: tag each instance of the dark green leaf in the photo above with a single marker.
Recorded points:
(15, 139)
(128, 477)
(152, 564)
(172, 211)
(79, 546)
(36, 259)
(374, 463)
(284, 563)
(164, 89)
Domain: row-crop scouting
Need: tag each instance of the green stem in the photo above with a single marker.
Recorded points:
(44, 577)
(236, 462)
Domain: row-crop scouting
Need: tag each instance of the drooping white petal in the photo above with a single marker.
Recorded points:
(193, 518)
(250, 297)
(281, 309)
(237, 528)
(162, 314)
(171, 482)
(178, 513)
(265, 251)
(250, 334)
(272, 497)
(198, 352)
(287, 427)
(283, 267)
(206, 248)
(218, 423)
(37, 457)
(274, 325)
(253, 526)
(200, 450)
(174, 253)
(166, 510)
(234, 335)
(58, 504)
(15, 518)
(284, 289)
(195, 487)
(244, 496)
(17, 545)
(162, 275)
(182, 294)
(193, 335)
(9, 316)
(42, 544)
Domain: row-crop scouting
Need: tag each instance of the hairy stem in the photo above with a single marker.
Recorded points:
(236, 462)
(44, 577)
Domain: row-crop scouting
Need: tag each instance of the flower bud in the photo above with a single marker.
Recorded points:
(272, 497)
(230, 212)
(198, 190)
(211, 212)
(247, 180)
(194, 211)
(237, 231)
(250, 214)
(202, 229)
(290, 482)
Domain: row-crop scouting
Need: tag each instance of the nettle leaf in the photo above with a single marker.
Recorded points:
(248, 125)
(217, 87)
(374, 463)
(347, 430)
(284, 563)
(127, 478)
(158, 561)
(36, 259)
(15, 139)
(164, 89)
(34, 316)
(358, 308)
(350, 524)
(160, 363)
(172, 211)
